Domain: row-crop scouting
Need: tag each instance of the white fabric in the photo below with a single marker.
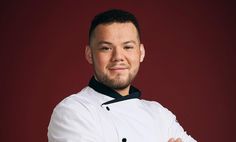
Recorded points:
(82, 118)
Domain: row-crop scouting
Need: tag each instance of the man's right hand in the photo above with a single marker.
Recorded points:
(175, 140)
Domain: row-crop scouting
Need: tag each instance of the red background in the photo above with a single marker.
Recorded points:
(189, 66)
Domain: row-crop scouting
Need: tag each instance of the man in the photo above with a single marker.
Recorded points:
(109, 108)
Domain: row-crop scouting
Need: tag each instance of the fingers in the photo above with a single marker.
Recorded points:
(178, 140)
(173, 140)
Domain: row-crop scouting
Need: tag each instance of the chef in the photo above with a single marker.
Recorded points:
(109, 109)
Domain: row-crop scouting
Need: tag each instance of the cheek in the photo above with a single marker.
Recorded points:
(134, 59)
(135, 63)
(100, 61)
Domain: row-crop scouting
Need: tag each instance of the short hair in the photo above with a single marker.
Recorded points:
(113, 16)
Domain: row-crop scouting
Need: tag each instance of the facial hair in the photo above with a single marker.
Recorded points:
(117, 83)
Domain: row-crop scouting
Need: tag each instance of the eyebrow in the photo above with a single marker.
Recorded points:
(109, 43)
(104, 42)
(131, 41)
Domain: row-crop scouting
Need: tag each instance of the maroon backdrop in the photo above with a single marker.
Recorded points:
(189, 66)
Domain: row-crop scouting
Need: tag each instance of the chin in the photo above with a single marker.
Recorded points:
(119, 86)
(121, 82)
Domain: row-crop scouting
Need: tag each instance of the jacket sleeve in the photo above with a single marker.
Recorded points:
(175, 130)
(72, 122)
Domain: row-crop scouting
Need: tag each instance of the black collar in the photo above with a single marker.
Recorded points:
(103, 89)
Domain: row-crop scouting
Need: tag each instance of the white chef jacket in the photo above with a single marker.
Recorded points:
(97, 115)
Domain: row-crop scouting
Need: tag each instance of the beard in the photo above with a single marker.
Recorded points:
(118, 82)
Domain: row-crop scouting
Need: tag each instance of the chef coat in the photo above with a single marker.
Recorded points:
(99, 114)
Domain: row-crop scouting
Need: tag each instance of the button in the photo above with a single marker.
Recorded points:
(108, 108)
(124, 140)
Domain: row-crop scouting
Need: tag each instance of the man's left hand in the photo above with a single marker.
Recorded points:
(175, 140)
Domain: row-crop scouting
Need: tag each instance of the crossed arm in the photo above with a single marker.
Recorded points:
(175, 140)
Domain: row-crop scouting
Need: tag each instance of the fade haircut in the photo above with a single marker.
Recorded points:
(113, 16)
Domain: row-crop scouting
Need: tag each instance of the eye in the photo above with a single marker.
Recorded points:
(128, 47)
(105, 48)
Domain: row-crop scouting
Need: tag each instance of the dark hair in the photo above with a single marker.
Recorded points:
(112, 16)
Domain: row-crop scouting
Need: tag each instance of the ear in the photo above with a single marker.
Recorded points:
(88, 54)
(142, 51)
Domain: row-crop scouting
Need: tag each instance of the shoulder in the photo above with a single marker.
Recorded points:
(153, 105)
(73, 117)
(86, 96)
(81, 102)
(73, 111)
(157, 109)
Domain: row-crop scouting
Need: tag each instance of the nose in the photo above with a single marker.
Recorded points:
(117, 54)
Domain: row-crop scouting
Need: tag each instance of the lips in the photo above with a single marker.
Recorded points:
(118, 68)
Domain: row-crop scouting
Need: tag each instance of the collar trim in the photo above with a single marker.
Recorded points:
(103, 89)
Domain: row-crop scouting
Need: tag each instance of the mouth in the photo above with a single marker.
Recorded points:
(118, 68)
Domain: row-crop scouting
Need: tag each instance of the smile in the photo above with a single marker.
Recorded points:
(118, 69)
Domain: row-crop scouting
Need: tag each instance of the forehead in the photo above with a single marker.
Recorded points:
(115, 32)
